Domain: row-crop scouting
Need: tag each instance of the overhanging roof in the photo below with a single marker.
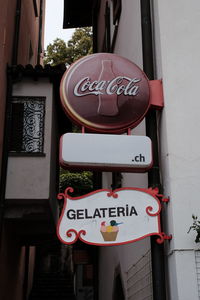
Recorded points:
(77, 13)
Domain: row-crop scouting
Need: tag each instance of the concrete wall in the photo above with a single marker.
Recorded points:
(177, 48)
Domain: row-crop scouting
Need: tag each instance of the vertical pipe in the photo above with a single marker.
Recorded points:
(95, 25)
(16, 33)
(7, 124)
(40, 32)
(157, 251)
(107, 30)
(26, 273)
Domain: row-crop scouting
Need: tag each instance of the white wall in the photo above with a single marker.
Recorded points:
(29, 177)
(177, 40)
(129, 39)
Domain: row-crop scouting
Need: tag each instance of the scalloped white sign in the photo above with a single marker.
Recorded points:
(107, 218)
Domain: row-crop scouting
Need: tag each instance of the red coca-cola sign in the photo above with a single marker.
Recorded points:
(105, 93)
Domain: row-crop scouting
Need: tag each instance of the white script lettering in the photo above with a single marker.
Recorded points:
(117, 85)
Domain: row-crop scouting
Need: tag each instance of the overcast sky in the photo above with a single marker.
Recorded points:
(54, 21)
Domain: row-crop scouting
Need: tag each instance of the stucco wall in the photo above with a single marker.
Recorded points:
(29, 177)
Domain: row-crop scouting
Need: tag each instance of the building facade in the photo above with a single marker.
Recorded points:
(28, 145)
(162, 38)
(21, 39)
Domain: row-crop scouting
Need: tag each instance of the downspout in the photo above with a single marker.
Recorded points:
(94, 25)
(16, 33)
(4, 164)
(157, 251)
(40, 32)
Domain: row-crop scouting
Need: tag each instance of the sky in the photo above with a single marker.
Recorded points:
(54, 21)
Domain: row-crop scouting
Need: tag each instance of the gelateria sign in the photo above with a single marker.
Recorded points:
(106, 217)
(107, 93)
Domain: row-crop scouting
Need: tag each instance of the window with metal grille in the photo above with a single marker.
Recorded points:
(27, 124)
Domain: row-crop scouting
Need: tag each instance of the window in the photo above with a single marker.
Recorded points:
(27, 124)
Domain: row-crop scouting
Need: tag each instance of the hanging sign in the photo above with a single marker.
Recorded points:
(107, 218)
(105, 92)
(106, 152)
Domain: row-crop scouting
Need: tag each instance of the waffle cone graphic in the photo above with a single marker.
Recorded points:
(109, 236)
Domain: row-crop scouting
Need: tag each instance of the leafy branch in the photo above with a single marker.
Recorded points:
(81, 182)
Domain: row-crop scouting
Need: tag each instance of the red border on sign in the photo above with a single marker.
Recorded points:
(80, 235)
(101, 168)
(92, 126)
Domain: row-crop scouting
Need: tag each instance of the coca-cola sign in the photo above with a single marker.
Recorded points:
(105, 93)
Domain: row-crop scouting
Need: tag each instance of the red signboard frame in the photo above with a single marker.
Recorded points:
(122, 83)
(74, 235)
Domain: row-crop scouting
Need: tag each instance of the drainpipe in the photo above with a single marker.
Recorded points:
(157, 251)
(40, 32)
(16, 33)
(4, 163)
(95, 10)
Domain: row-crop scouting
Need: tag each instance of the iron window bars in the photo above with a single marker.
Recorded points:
(27, 125)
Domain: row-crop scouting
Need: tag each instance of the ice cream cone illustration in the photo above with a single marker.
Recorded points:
(110, 232)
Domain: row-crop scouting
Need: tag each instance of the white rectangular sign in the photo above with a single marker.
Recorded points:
(106, 217)
(106, 152)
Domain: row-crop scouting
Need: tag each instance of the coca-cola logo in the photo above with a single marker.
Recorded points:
(105, 93)
(114, 86)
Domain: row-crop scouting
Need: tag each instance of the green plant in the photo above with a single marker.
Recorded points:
(196, 227)
(81, 182)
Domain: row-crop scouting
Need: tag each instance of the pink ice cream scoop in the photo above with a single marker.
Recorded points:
(103, 226)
